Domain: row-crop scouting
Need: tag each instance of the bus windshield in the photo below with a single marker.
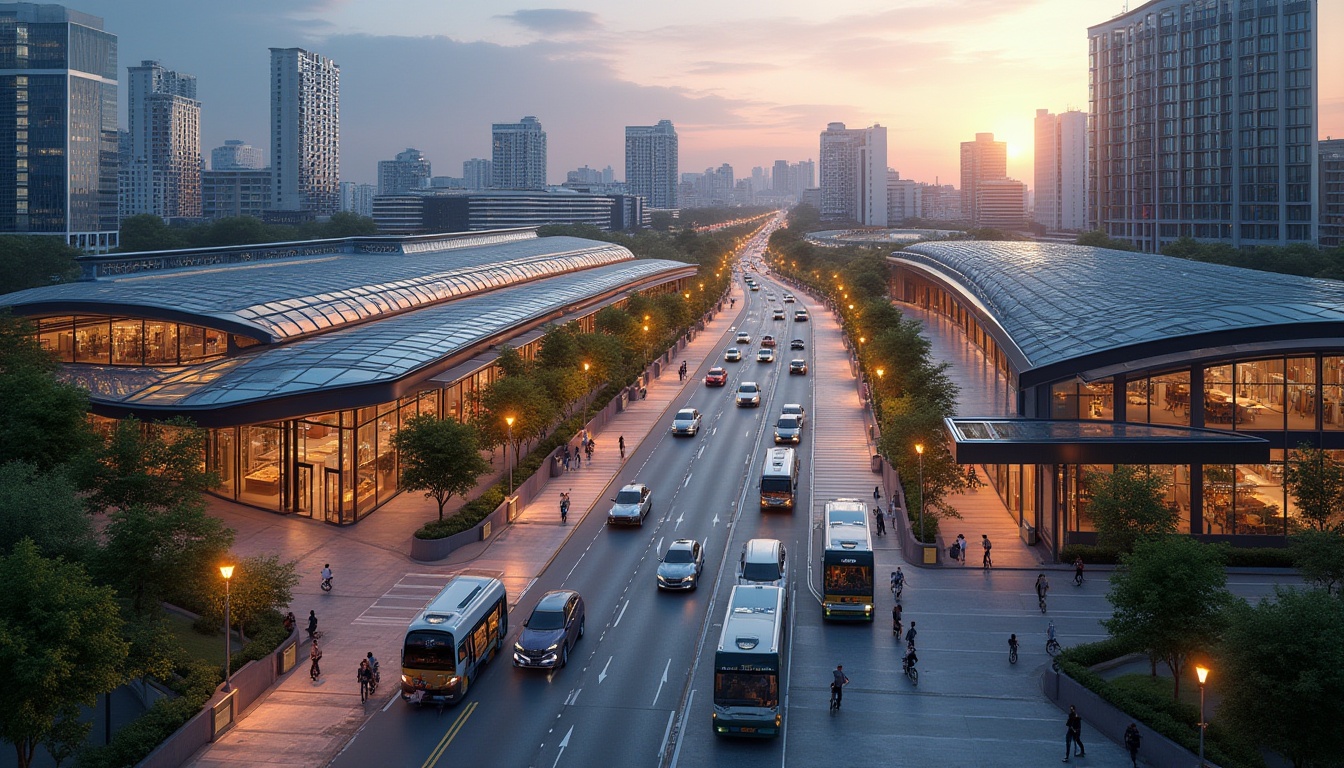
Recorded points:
(429, 650)
(848, 579)
(776, 485)
(746, 689)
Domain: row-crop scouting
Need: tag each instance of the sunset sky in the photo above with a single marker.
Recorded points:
(746, 82)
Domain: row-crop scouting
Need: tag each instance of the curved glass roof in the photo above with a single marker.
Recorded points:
(1058, 302)
(290, 298)
(369, 353)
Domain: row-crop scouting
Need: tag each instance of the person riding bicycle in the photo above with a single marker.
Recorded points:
(373, 665)
(1078, 570)
(838, 683)
(1042, 586)
(909, 661)
(1012, 644)
(326, 573)
(897, 580)
(1050, 638)
(896, 612)
(910, 635)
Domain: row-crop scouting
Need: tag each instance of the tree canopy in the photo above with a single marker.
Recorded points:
(1319, 555)
(1315, 480)
(44, 421)
(60, 647)
(45, 508)
(441, 457)
(152, 553)
(1128, 504)
(31, 261)
(1169, 598)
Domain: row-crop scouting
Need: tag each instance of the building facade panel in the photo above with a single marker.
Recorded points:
(305, 132)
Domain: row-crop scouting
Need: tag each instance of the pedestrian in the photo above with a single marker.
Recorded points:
(312, 624)
(838, 683)
(564, 507)
(289, 622)
(877, 493)
(910, 635)
(589, 451)
(566, 457)
(1073, 735)
(879, 525)
(896, 615)
(315, 653)
(961, 546)
(1132, 741)
(984, 542)
(364, 676)
(621, 442)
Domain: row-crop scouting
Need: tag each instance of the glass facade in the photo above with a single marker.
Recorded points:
(128, 341)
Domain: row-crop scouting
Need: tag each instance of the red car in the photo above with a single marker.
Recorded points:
(767, 341)
(717, 377)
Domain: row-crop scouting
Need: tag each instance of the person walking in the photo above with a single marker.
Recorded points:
(315, 653)
(961, 545)
(1073, 734)
(589, 450)
(290, 623)
(620, 441)
(879, 525)
(565, 457)
(364, 676)
(910, 635)
(312, 624)
(984, 542)
(1132, 742)
(564, 507)
(877, 495)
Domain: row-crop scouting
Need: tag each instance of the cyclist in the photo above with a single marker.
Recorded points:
(897, 581)
(373, 665)
(326, 576)
(909, 661)
(910, 635)
(1012, 647)
(1042, 588)
(838, 683)
(1051, 641)
(315, 653)
(1078, 571)
(896, 612)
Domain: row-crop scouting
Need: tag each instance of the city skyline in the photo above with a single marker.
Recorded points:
(743, 99)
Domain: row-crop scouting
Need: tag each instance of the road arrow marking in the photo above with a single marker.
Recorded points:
(662, 682)
(603, 674)
(716, 519)
(563, 743)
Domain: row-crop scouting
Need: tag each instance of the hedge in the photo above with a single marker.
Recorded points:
(1258, 557)
(1091, 554)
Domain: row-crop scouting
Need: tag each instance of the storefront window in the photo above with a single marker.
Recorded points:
(1172, 391)
(366, 489)
(160, 343)
(1076, 399)
(223, 453)
(1175, 491)
(128, 342)
(1138, 400)
(1261, 395)
(1302, 395)
(1219, 401)
(1219, 482)
(1332, 375)
(261, 465)
(93, 341)
(388, 477)
(56, 335)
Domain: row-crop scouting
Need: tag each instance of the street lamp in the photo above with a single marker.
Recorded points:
(919, 449)
(508, 420)
(585, 392)
(1203, 674)
(227, 572)
(646, 342)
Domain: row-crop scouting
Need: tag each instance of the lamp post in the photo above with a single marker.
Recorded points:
(227, 572)
(646, 343)
(919, 449)
(586, 392)
(1203, 674)
(508, 420)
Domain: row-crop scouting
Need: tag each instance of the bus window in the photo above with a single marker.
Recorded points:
(429, 650)
(746, 689)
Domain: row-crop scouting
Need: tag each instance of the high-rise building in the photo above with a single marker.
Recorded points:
(1332, 193)
(235, 192)
(518, 155)
(236, 155)
(58, 125)
(905, 199)
(477, 173)
(409, 171)
(854, 174)
(1061, 170)
(164, 120)
(981, 160)
(780, 183)
(805, 175)
(609, 175)
(584, 175)
(1000, 204)
(305, 132)
(1203, 123)
(651, 163)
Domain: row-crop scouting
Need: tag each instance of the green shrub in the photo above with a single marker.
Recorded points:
(1259, 557)
(1091, 554)
(195, 682)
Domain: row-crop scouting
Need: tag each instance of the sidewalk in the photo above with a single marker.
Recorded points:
(378, 588)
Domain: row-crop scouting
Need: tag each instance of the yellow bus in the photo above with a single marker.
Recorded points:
(450, 641)
(847, 562)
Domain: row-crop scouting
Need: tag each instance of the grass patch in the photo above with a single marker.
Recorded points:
(207, 648)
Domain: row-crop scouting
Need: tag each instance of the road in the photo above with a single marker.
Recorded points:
(637, 691)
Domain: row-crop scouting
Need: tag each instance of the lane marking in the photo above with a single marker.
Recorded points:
(448, 737)
(617, 623)
(603, 674)
(661, 683)
(563, 743)
(688, 481)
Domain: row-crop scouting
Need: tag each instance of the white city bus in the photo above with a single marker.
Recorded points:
(749, 663)
(847, 562)
(449, 642)
(779, 479)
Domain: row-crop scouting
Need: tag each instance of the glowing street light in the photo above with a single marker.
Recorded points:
(1202, 673)
(227, 572)
(919, 449)
(508, 420)
(586, 391)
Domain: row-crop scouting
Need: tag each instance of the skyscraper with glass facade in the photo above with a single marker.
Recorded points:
(1203, 123)
(651, 163)
(305, 132)
(1061, 170)
(518, 159)
(58, 125)
(164, 174)
(854, 174)
(982, 160)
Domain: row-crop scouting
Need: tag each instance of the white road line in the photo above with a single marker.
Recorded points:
(666, 732)
(688, 481)
(603, 674)
(617, 623)
(661, 683)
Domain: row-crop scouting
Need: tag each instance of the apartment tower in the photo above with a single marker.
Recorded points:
(410, 170)
(518, 155)
(1061, 170)
(854, 174)
(164, 121)
(651, 163)
(1204, 124)
(305, 132)
(981, 160)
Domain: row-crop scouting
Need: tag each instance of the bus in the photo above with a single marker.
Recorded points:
(779, 479)
(449, 642)
(847, 562)
(749, 663)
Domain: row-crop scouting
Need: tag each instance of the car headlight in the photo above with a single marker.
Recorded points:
(406, 679)
(519, 648)
(552, 647)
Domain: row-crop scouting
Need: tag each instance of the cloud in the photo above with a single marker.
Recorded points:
(547, 21)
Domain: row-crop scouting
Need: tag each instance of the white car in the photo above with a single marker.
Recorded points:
(766, 355)
(686, 422)
(794, 409)
(732, 355)
(743, 337)
(748, 395)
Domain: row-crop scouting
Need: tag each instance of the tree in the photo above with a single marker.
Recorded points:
(1319, 555)
(565, 386)
(1315, 480)
(532, 410)
(156, 552)
(1283, 673)
(159, 465)
(1100, 239)
(147, 232)
(261, 585)
(44, 421)
(60, 647)
(30, 261)
(44, 507)
(510, 362)
(1169, 598)
(908, 421)
(559, 348)
(1127, 505)
(441, 457)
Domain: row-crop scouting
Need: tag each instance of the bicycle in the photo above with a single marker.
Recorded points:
(835, 697)
(326, 584)
(1078, 578)
(911, 671)
(1012, 654)
(1041, 599)
(1052, 647)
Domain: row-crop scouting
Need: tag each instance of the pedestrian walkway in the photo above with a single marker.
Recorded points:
(378, 588)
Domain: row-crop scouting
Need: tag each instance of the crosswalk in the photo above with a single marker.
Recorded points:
(413, 591)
